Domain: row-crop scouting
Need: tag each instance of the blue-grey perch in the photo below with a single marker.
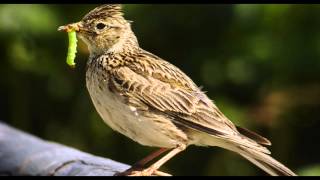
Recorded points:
(24, 154)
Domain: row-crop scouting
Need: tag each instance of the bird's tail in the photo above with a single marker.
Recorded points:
(264, 161)
(252, 151)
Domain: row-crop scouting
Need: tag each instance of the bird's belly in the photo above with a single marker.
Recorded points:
(124, 119)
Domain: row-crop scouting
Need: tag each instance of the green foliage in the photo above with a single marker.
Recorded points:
(312, 170)
(259, 63)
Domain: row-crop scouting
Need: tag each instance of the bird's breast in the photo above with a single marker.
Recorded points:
(124, 118)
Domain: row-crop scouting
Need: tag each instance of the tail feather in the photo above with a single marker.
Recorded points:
(260, 165)
(250, 150)
(265, 162)
(254, 136)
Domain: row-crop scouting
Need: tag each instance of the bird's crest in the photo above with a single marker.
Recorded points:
(104, 11)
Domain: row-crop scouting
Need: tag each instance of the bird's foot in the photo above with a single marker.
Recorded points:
(137, 171)
(148, 172)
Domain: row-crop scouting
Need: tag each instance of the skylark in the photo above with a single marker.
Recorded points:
(152, 101)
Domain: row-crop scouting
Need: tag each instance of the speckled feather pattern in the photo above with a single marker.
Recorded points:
(153, 102)
(154, 87)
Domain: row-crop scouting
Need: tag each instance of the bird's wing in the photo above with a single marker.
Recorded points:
(151, 83)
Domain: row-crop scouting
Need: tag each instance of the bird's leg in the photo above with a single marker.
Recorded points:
(150, 157)
(154, 167)
(139, 165)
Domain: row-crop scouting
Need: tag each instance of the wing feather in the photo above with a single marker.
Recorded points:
(165, 88)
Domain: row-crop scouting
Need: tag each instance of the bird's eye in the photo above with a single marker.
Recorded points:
(100, 26)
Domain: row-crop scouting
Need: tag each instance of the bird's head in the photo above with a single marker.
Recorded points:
(104, 29)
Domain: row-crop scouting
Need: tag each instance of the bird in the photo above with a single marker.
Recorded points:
(153, 102)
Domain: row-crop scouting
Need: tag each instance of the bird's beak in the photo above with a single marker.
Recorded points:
(71, 27)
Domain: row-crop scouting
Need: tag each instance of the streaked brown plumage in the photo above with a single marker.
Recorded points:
(153, 102)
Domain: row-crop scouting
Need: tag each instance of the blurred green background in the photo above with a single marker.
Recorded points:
(259, 63)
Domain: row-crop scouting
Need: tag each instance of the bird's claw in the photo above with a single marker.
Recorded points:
(143, 172)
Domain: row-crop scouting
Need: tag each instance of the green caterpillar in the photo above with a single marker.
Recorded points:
(72, 48)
